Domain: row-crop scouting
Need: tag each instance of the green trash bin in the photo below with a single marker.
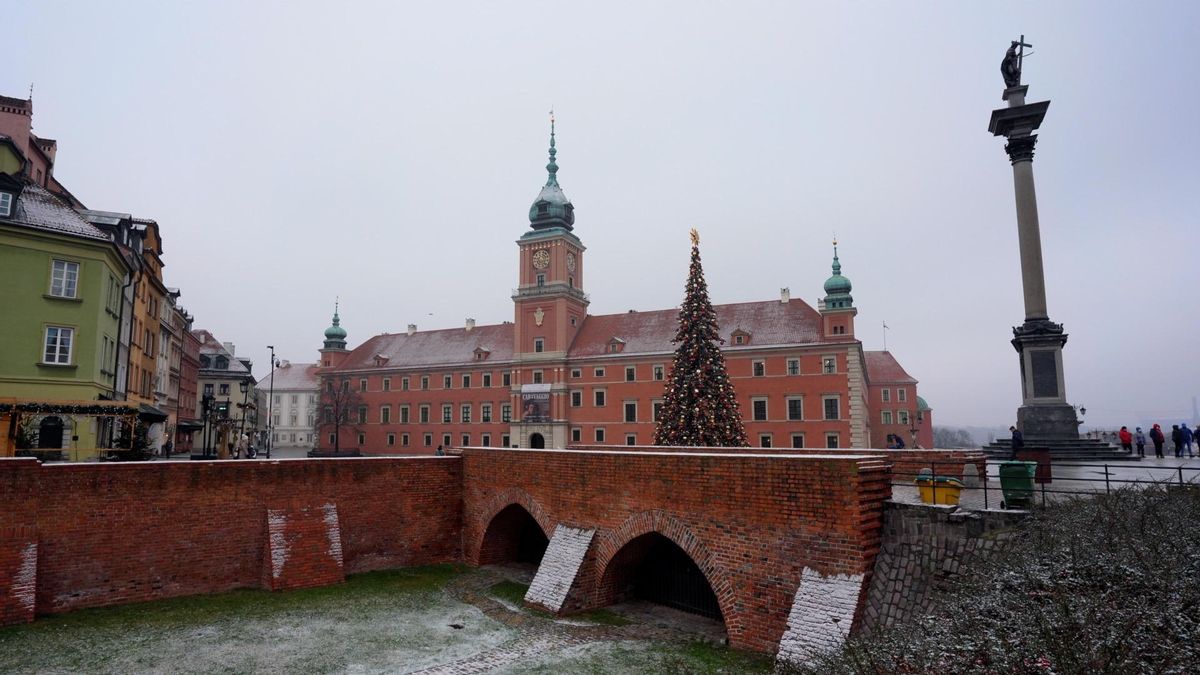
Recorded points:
(1016, 482)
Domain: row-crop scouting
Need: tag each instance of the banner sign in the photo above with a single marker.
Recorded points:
(535, 403)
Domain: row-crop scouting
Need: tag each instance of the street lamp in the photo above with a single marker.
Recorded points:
(916, 421)
(244, 385)
(271, 402)
(206, 408)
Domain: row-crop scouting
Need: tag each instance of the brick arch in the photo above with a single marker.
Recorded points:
(497, 503)
(680, 534)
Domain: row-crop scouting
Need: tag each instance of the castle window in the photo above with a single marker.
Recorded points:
(391, 439)
(902, 394)
(362, 414)
(385, 414)
(537, 377)
(541, 280)
(466, 413)
(446, 440)
(829, 365)
(506, 415)
(630, 439)
(760, 368)
(466, 440)
(630, 373)
(887, 396)
(600, 435)
(795, 408)
(466, 379)
(833, 408)
(539, 345)
(631, 411)
(832, 441)
(403, 414)
(425, 382)
(423, 415)
(486, 440)
(576, 372)
(447, 381)
(504, 441)
(543, 209)
(576, 434)
(362, 384)
(428, 439)
(902, 416)
(598, 398)
(387, 384)
(759, 407)
(404, 384)
(655, 410)
(576, 399)
(886, 418)
(506, 379)
(764, 440)
(659, 373)
(487, 379)
(447, 414)
(839, 330)
(793, 367)
(404, 440)
(599, 372)
(797, 440)
(485, 413)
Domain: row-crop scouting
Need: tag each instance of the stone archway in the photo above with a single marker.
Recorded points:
(513, 536)
(480, 519)
(654, 568)
(537, 441)
(50, 432)
(622, 551)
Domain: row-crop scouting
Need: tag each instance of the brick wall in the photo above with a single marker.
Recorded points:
(905, 463)
(752, 523)
(116, 533)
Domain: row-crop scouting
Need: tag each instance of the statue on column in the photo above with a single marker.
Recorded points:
(1010, 67)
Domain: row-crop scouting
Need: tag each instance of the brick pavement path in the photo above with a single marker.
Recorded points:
(536, 635)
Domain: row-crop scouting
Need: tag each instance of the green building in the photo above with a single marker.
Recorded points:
(62, 280)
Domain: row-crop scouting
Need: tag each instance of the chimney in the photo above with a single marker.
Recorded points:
(785, 295)
(412, 328)
(284, 363)
(229, 348)
(470, 325)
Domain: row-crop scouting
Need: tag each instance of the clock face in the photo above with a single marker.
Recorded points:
(570, 262)
(541, 259)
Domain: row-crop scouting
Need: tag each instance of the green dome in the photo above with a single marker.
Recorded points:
(838, 287)
(335, 335)
(922, 405)
(552, 208)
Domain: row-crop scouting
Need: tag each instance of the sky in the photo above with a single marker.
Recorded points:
(387, 154)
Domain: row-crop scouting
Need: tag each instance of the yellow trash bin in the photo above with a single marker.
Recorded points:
(948, 491)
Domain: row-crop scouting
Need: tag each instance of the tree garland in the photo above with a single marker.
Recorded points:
(67, 409)
(699, 406)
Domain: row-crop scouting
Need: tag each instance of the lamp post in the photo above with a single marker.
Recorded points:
(913, 429)
(244, 385)
(206, 406)
(271, 402)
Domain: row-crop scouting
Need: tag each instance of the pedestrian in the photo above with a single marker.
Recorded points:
(1156, 435)
(1177, 439)
(1140, 439)
(1187, 439)
(439, 452)
(243, 444)
(1018, 441)
(1126, 440)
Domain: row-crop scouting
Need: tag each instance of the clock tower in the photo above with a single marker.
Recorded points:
(550, 307)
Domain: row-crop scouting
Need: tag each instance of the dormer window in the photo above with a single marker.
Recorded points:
(740, 337)
(616, 345)
(381, 360)
(481, 353)
(205, 362)
(222, 363)
(543, 209)
(6, 204)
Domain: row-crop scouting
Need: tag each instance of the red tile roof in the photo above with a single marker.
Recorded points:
(294, 376)
(882, 368)
(450, 346)
(768, 323)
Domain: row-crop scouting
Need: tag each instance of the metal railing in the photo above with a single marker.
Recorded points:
(1050, 479)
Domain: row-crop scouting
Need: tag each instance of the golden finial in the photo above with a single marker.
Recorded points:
(695, 237)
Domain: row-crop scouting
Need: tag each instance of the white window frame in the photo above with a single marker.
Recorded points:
(447, 413)
(825, 409)
(576, 372)
(6, 204)
(660, 372)
(625, 411)
(901, 395)
(539, 345)
(57, 346)
(599, 398)
(800, 400)
(885, 395)
(758, 368)
(69, 275)
(828, 365)
(902, 417)
(765, 441)
(598, 372)
(576, 434)
(793, 365)
(630, 439)
(599, 434)
(465, 412)
(631, 373)
(885, 417)
(538, 376)
(385, 414)
(754, 410)
(794, 437)
(576, 398)
(485, 413)
(656, 409)
(466, 381)
(835, 437)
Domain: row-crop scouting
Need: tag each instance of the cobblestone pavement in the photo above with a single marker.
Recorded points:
(538, 634)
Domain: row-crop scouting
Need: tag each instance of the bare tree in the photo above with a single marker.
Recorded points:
(340, 407)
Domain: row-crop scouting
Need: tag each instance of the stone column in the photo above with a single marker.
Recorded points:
(1044, 412)
(1029, 237)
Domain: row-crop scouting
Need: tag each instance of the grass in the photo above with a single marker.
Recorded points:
(514, 594)
(649, 657)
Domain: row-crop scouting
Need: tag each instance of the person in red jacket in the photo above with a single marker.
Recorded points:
(1126, 440)
(1157, 437)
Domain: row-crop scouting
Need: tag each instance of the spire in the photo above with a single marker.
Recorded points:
(335, 335)
(337, 300)
(552, 167)
(552, 208)
(837, 287)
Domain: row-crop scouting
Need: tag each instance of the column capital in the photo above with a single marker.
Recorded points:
(1020, 148)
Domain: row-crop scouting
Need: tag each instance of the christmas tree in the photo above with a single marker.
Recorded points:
(699, 407)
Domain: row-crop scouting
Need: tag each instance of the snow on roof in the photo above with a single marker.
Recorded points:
(39, 209)
(295, 376)
(883, 368)
(449, 346)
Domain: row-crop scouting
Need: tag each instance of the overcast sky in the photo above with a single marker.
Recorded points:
(388, 153)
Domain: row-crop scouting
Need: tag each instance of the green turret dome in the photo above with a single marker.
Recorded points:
(838, 287)
(335, 335)
(552, 208)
